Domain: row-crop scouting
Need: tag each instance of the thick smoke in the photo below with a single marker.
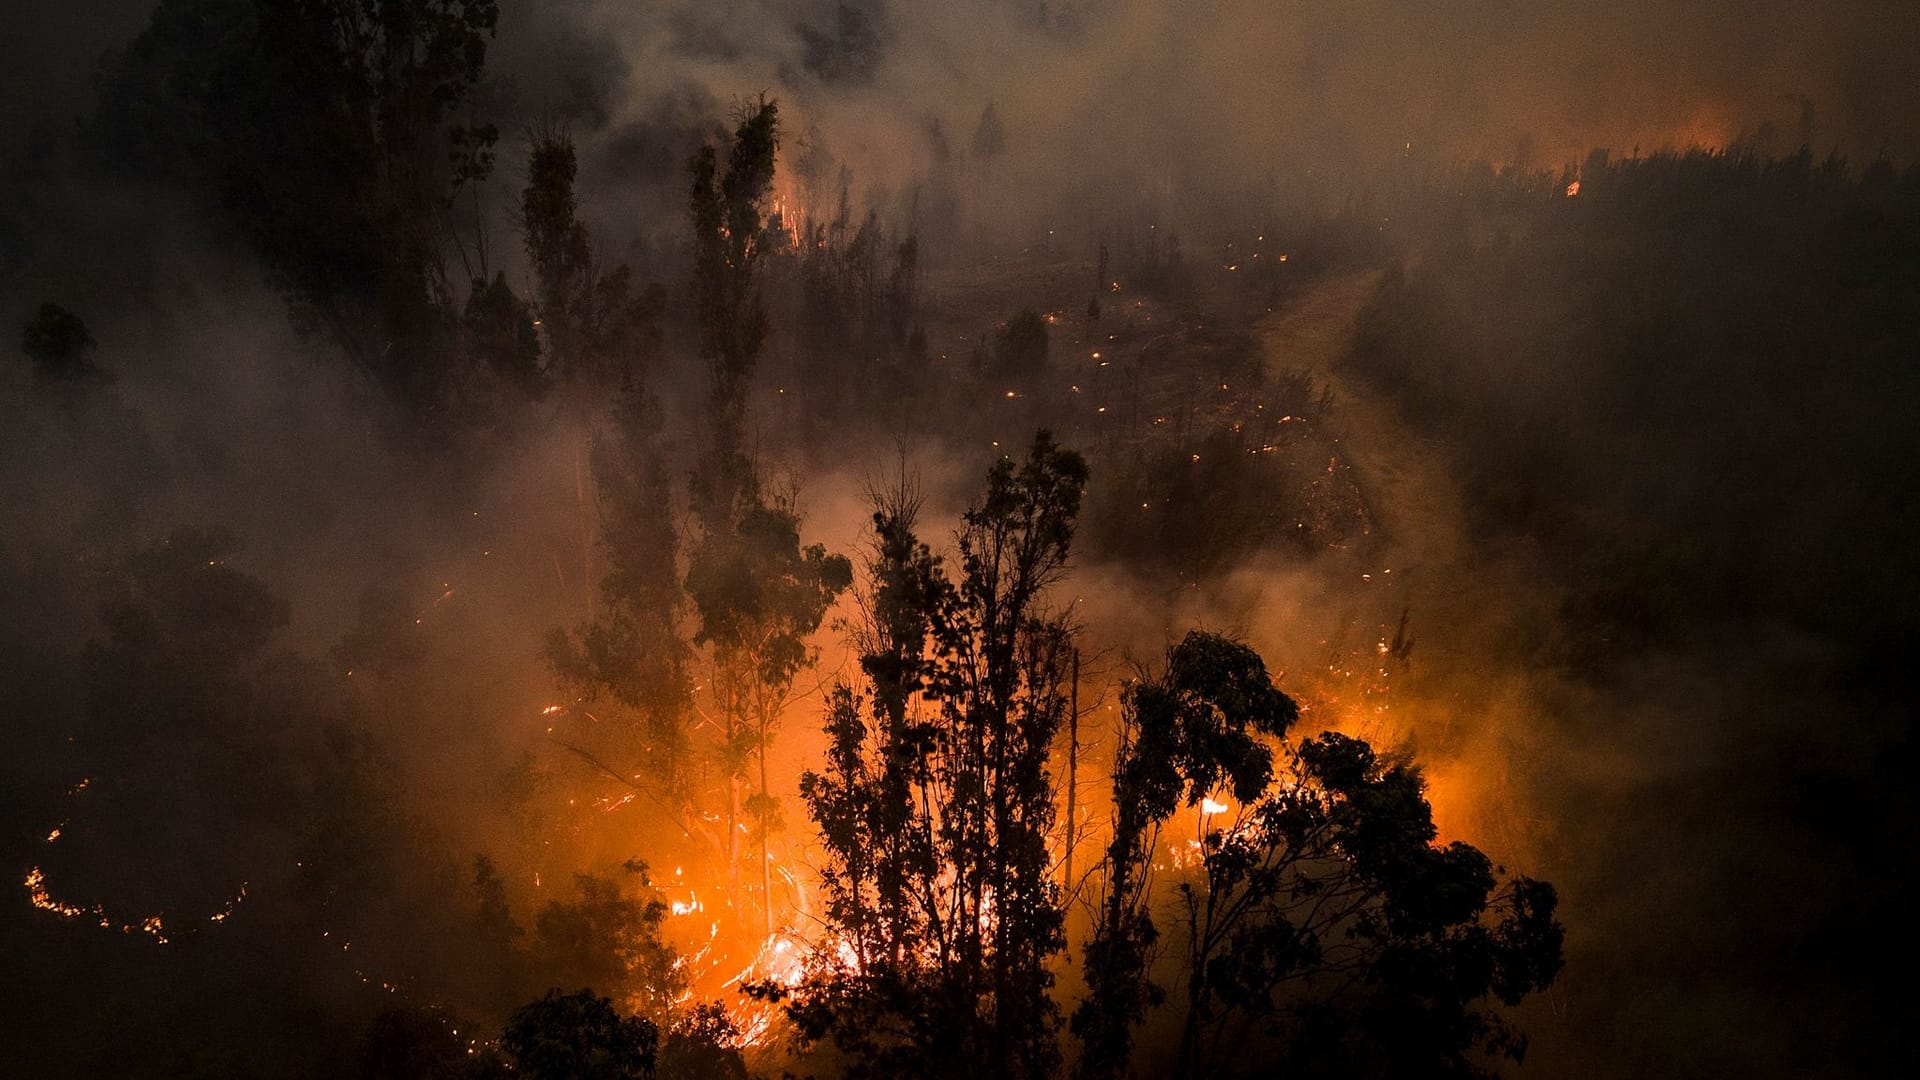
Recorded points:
(1296, 101)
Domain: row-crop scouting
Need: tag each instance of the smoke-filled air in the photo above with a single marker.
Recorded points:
(1097, 539)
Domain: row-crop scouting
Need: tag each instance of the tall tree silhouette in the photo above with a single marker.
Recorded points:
(603, 336)
(758, 592)
(634, 647)
(600, 329)
(759, 595)
(1197, 728)
(1322, 915)
(937, 800)
(729, 232)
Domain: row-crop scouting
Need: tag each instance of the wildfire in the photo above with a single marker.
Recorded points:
(37, 895)
(780, 961)
(1184, 856)
(154, 926)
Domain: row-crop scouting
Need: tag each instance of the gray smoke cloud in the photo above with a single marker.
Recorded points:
(1185, 102)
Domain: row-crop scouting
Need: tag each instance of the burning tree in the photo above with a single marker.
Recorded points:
(848, 285)
(1324, 924)
(937, 801)
(1185, 735)
(1324, 917)
(759, 594)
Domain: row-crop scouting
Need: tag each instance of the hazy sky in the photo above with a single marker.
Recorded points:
(1144, 95)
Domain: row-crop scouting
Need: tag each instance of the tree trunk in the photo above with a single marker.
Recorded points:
(766, 865)
(730, 709)
(1073, 768)
(586, 524)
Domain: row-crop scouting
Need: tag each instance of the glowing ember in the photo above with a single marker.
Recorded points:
(154, 926)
